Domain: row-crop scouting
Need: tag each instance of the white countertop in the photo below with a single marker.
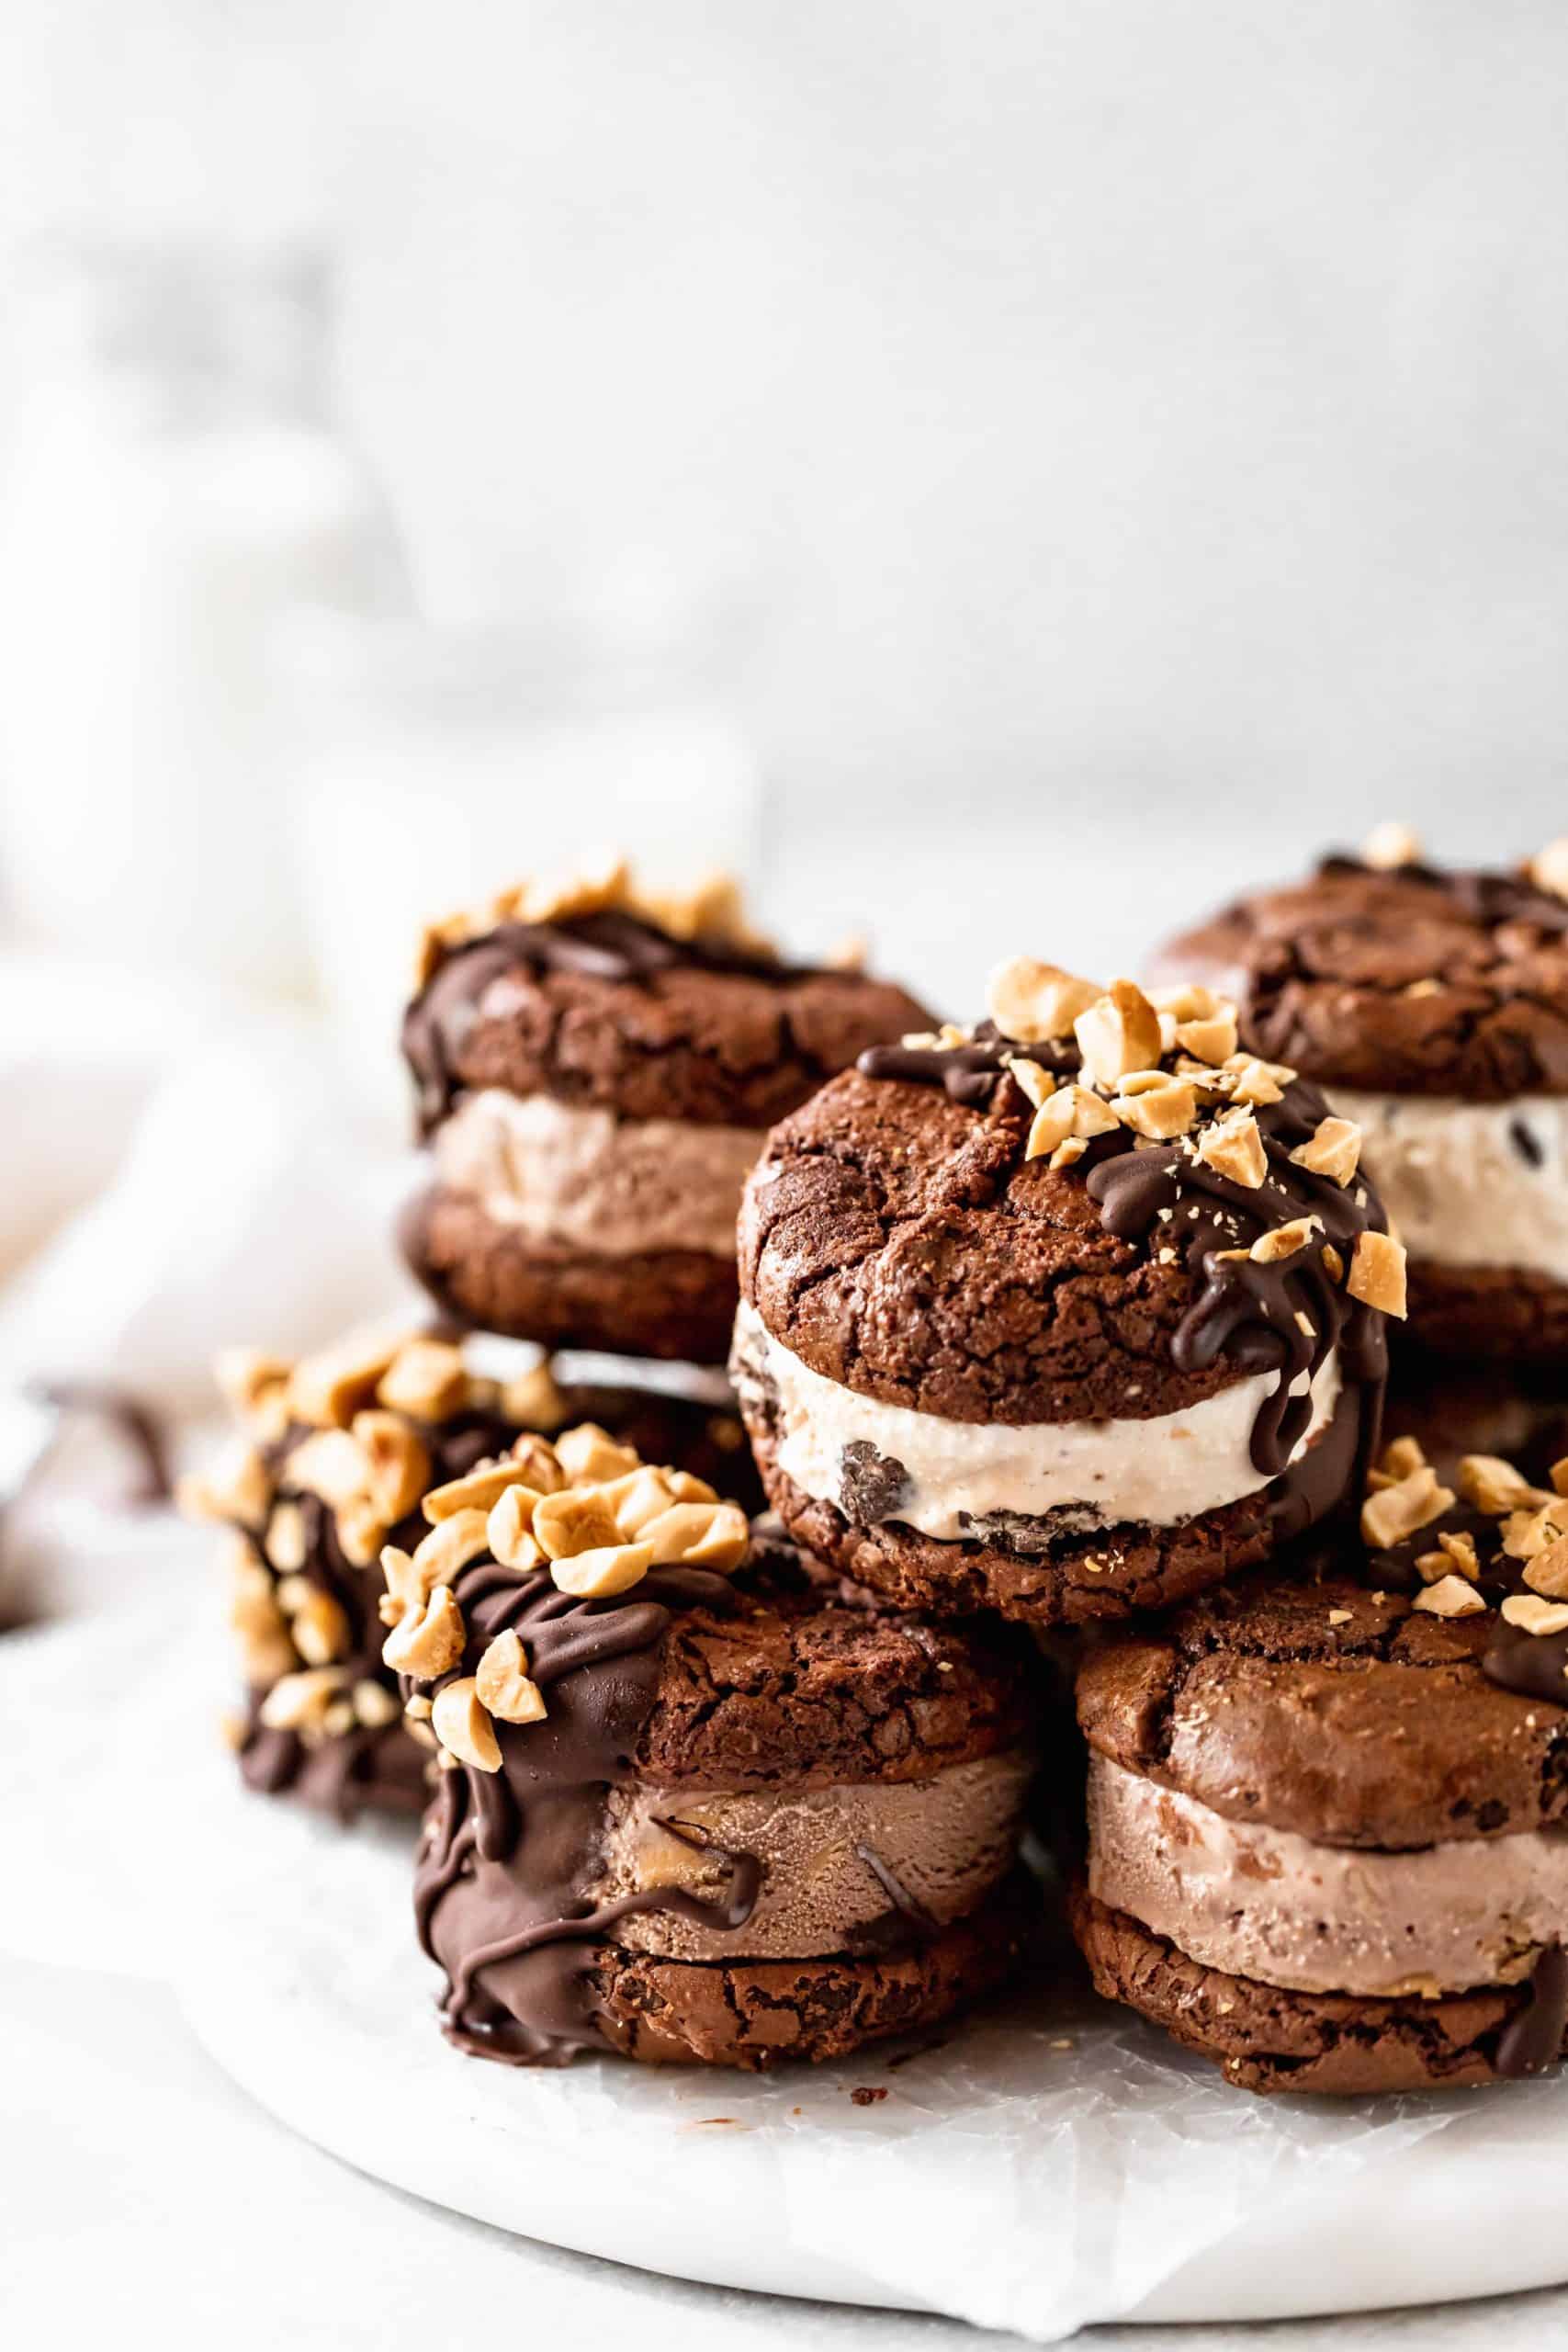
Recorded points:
(144, 2195)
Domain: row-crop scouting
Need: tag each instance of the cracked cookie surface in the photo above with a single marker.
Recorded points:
(1265, 2039)
(1407, 981)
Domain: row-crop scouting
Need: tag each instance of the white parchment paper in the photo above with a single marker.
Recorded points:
(1045, 2165)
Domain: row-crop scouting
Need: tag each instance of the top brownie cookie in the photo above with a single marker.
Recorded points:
(1433, 1009)
(1399, 977)
(595, 1068)
(1068, 1314)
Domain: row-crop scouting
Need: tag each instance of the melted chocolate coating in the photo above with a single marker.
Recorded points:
(610, 945)
(509, 1889)
(1532, 2042)
(380, 1766)
(1244, 1309)
(499, 1894)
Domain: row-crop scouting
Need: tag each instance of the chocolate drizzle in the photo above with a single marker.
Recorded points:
(1533, 1666)
(906, 1921)
(1247, 1310)
(1284, 1316)
(970, 1073)
(1532, 2040)
(503, 1891)
(610, 945)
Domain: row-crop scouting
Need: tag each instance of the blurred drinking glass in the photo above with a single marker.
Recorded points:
(172, 485)
(437, 765)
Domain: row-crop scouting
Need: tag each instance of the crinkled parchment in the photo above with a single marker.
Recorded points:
(1043, 2166)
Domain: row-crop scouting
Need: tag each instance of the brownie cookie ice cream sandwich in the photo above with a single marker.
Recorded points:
(695, 1799)
(337, 1451)
(1073, 1314)
(1432, 1009)
(596, 1070)
(1328, 1808)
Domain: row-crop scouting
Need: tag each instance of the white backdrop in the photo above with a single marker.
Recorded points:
(1141, 412)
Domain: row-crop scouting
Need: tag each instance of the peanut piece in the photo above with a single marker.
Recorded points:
(537, 1464)
(503, 1682)
(1450, 1597)
(1389, 846)
(425, 1379)
(320, 1628)
(534, 1401)
(463, 1726)
(330, 1463)
(1119, 1033)
(578, 1520)
(508, 1529)
(708, 1535)
(481, 1489)
(328, 1389)
(1548, 1572)
(597, 1574)
(240, 1489)
(1495, 1485)
(1284, 1240)
(589, 1455)
(1154, 1104)
(1233, 1145)
(1334, 1149)
(1377, 1273)
(398, 1460)
(1537, 1616)
(1031, 1001)
(300, 1701)
(1389, 1517)
(426, 1641)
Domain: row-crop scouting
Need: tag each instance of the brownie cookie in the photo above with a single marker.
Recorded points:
(596, 1070)
(698, 1800)
(1074, 1314)
(1328, 1807)
(338, 1451)
(1453, 1409)
(1432, 1008)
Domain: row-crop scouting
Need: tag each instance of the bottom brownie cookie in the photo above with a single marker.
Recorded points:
(1267, 2039)
(1044, 1575)
(1326, 1807)
(1504, 1313)
(674, 1304)
(695, 1798)
(753, 2014)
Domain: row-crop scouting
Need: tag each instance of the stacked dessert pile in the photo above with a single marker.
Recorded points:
(1066, 1333)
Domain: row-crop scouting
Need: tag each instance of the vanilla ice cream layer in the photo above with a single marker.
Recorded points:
(587, 1178)
(1268, 1904)
(960, 1477)
(1470, 1184)
(945, 1842)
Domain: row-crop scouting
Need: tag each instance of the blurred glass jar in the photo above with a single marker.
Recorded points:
(435, 765)
(172, 487)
